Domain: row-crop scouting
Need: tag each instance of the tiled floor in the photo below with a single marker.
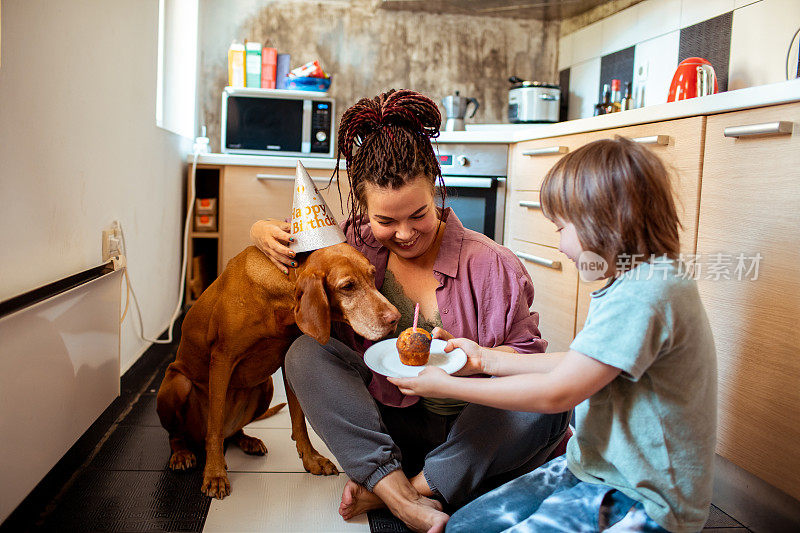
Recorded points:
(126, 485)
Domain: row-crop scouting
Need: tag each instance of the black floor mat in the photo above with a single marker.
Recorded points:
(143, 412)
(102, 500)
(383, 521)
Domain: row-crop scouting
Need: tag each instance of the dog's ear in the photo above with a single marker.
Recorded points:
(312, 311)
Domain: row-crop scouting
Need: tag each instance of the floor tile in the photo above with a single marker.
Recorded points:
(281, 456)
(282, 502)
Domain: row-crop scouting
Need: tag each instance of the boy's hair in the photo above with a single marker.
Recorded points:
(619, 197)
(386, 141)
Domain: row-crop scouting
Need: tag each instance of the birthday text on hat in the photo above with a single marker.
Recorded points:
(316, 217)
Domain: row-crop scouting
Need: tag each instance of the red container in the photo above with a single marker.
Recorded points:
(685, 81)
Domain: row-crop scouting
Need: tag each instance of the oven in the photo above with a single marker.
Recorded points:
(475, 181)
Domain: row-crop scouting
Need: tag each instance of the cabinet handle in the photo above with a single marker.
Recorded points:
(663, 140)
(782, 127)
(285, 177)
(555, 265)
(550, 150)
(531, 205)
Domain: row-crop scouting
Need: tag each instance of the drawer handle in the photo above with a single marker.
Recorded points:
(782, 127)
(531, 205)
(663, 140)
(550, 150)
(286, 178)
(555, 265)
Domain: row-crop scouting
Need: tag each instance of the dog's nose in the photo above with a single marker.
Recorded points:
(391, 316)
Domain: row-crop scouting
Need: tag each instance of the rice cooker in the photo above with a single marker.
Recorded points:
(533, 101)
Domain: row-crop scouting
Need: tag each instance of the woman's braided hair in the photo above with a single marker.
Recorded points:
(386, 142)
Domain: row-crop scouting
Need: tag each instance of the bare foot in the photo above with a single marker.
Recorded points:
(356, 500)
(422, 515)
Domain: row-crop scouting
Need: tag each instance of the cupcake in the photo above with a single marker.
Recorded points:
(414, 346)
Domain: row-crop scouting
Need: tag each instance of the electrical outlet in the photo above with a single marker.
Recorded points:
(112, 241)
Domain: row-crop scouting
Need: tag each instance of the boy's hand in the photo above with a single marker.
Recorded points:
(429, 383)
(475, 358)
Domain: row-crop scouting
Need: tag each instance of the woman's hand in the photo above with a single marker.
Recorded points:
(475, 359)
(272, 236)
(429, 383)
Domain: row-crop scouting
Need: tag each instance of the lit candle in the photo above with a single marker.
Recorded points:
(416, 316)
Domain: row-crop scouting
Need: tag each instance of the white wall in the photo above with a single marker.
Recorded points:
(760, 36)
(79, 147)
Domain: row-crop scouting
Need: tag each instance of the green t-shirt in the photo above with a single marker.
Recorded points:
(651, 432)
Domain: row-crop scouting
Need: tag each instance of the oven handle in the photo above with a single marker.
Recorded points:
(479, 183)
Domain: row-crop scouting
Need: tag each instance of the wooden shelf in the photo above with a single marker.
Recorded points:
(204, 235)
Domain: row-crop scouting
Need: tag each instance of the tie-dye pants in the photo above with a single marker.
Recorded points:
(551, 499)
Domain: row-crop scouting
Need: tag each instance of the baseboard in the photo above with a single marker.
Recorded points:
(754, 502)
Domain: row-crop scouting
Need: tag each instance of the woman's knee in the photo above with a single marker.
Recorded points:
(300, 358)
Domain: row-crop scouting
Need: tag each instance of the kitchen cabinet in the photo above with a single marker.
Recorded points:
(749, 205)
(255, 193)
(679, 144)
(244, 195)
(533, 238)
(554, 282)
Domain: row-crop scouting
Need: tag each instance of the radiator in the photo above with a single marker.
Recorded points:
(59, 370)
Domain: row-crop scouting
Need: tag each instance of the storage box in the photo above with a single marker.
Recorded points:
(205, 206)
(205, 223)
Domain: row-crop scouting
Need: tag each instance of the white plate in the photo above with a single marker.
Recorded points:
(382, 357)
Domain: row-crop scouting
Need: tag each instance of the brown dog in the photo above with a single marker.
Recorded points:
(236, 336)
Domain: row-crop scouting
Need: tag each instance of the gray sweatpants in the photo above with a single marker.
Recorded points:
(461, 455)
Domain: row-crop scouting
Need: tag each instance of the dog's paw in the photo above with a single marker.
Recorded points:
(319, 465)
(182, 460)
(216, 485)
(251, 445)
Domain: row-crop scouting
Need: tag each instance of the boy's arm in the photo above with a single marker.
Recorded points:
(500, 360)
(574, 379)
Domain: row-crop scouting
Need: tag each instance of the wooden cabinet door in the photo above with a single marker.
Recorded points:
(255, 193)
(750, 204)
(529, 161)
(679, 144)
(555, 281)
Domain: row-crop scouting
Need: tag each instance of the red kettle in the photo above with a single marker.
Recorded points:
(694, 77)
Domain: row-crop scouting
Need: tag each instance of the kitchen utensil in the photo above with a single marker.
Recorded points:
(455, 107)
(533, 101)
(694, 77)
(382, 357)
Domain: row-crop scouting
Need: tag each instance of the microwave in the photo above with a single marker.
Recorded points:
(277, 122)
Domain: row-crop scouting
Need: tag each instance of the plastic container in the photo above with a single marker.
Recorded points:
(308, 84)
(236, 65)
(252, 63)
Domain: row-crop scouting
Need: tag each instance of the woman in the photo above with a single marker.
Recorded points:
(407, 452)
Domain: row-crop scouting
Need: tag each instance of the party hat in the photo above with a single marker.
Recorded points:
(313, 225)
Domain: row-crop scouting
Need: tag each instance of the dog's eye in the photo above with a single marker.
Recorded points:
(347, 286)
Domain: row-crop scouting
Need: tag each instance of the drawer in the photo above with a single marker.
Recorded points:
(555, 284)
(526, 222)
(254, 193)
(529, 161)
(679, 144)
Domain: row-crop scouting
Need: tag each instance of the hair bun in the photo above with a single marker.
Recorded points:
(410, 110)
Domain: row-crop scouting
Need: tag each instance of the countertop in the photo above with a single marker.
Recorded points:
(775, 93)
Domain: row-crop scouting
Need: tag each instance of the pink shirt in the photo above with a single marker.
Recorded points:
(484, 294)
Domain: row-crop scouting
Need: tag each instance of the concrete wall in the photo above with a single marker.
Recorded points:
(79, 147)
(369, 50)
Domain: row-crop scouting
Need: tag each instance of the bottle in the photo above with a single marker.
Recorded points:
(603, 107)
(616, 96)
(236, 65)
(627, 101)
